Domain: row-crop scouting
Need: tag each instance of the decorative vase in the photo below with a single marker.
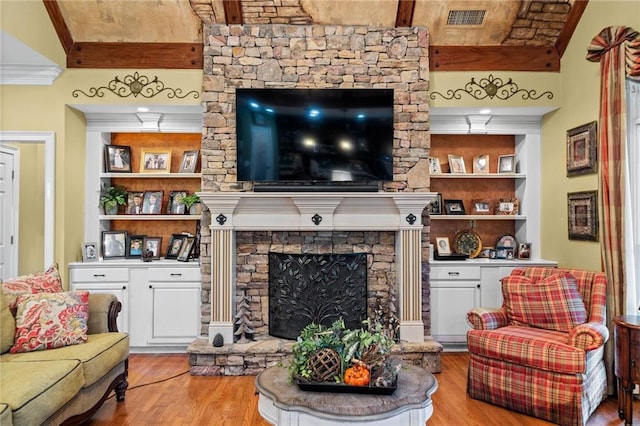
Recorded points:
(110, 210)
(195, 209)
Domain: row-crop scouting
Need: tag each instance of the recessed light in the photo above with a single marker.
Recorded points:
(143, 109)
(485, 111)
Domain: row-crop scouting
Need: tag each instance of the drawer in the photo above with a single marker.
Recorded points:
(174, 274)
(100, 275)
(454, 273)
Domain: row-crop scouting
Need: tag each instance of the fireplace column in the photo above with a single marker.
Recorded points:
(409, 278)
(223, 262)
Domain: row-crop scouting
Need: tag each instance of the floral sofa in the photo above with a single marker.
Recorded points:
(541, 353)
(60, 352)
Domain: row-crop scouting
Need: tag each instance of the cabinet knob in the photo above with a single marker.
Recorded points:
(150, 286)
(478, 286)
(454, 274)
(124, 287)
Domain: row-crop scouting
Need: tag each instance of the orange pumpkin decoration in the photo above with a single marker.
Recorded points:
(357, 375)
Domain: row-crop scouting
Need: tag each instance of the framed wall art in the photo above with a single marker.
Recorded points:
(456, 164)
(434, 166)
(435, 207)
(186, 249)
(582, 150)
(481, 207)
(117, 159)
(481, 164)
(175, 245)
(507, 206)
(155, 161)
(507, 163)
(443, 246)
(189, 161)
(454, 207)
(152, 202)
(153, 244)
(90, 252)
(135, 246)
(583, 215)
(114, 244)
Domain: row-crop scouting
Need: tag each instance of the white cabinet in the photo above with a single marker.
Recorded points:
(459, 286)
(161, 299)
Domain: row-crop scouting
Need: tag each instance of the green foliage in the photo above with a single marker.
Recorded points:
(110, 196)
(190, 200)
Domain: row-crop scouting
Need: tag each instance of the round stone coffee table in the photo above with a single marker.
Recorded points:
(283, 404)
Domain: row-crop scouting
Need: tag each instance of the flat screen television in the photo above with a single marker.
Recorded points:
(314, 135)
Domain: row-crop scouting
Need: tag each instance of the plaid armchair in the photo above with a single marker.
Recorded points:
(541, 353)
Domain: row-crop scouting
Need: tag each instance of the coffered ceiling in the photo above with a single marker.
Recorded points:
(465, 35)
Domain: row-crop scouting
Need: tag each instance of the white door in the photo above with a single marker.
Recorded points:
(8, 214)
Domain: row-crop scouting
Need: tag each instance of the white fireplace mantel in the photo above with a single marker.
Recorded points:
(317, 211)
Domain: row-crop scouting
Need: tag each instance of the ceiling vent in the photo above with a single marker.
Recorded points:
(465, 17)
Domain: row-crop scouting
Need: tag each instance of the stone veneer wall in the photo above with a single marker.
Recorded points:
(305, 56)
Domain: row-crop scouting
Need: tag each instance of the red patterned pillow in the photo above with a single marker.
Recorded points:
(51, 320)
(552, 303)
(41, 282)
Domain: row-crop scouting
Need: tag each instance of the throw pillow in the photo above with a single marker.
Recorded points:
(552, 303)
(7, 325)
(41, 282)
(51, 320)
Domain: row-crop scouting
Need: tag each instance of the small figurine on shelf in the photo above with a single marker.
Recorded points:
(147, 256)
(244, 333)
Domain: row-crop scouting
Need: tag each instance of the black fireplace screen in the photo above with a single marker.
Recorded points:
(320, 288)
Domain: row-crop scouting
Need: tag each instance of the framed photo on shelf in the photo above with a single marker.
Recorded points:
(152, 202)
(507, 163)
(135, 246)
(434, 166)
(175, 206)
(175, 245)
(114, 244)
(453, 207)
(524, 251)
(155, 160)
(481, 164)
(582, 150)
(189, 161)
(583, 215)
(153, 244)
(117, 159)
(456, 164)
(435, 207)
(186, 249)
(134, 202)
(485, 253)
(443, 246)
(505, 253)
(481, 207)
(507, 206)
(90, 252)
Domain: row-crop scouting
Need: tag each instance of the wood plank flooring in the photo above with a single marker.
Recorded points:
(231, 401)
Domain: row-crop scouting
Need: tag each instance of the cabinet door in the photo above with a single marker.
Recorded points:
(175, 312)
(119, 290)
(450, 302)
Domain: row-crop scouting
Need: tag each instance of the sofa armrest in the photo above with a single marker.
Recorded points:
(487, 318)
(103, 313)
(588, 336)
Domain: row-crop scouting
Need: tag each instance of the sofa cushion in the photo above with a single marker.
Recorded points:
(51, 320)
(5, 414)
(552, 303)
(7, 325)
(534, 347)
(48, 281)
(35, 390)
(99, 355)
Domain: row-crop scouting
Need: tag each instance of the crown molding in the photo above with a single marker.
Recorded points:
(21, 65)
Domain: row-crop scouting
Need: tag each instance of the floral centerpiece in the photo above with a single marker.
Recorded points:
(337, 355)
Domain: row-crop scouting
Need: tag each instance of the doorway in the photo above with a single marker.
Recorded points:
(9, 202)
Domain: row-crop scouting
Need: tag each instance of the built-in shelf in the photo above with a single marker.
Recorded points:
(478, 217)
(479, 176)
(150, 175)
(146, 217)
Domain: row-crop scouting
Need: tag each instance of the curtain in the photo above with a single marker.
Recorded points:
(632, 198)
(617, 49)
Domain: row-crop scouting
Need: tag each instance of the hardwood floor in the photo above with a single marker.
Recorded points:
(231, 401)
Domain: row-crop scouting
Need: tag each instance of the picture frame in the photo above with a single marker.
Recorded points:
(134, 202)
(174, 205)
(155, 160)
(481, 164)
(175, 245)
(583, 215)
(485, 253)
(152, 202)
(189, 161)
(435, 207)
(153, 244)
(114, 244)
(90, 252)
(507, 206)
(481, 206)
(582, 149)
(504, 253)
(442, 246)
(117, 159)
(454, 207)
(524, 251)
(506, 240)
(186, 249)
(507, 163)
(135, 246)
(456, 164)
(434, 166)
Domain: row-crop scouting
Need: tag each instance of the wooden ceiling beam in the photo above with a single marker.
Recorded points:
(233, 12)
(136, 55)
(577, 9)
(493, 58)
(55, 14)
(404, 14)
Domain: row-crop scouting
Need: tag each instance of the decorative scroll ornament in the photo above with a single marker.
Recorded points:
(491, 87)
(136, 85)
(411, 218)
(221, 219)
(316, 218)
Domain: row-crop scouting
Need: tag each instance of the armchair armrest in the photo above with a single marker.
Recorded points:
(103, 312)
(487, 318)
(588, 336)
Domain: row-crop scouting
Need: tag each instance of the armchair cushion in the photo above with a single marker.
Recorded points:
(552, 302)
(48, 281)
(8, 325)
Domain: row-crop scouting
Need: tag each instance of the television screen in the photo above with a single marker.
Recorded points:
(324, 135)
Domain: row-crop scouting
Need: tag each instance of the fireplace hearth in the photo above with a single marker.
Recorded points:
(320, 288)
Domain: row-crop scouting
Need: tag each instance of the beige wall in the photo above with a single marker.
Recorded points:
(580, 84)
